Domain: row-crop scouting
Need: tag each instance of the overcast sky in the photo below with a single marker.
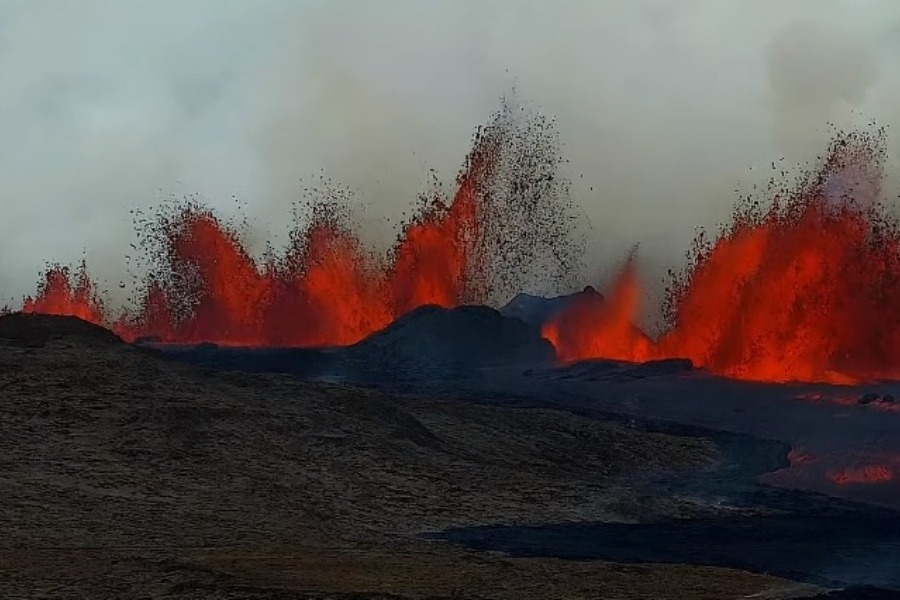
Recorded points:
(662, 105)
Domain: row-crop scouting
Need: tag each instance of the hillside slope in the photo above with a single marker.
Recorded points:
(126, 475)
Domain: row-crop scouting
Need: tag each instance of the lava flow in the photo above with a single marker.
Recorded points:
(805, 290)
(866, 475)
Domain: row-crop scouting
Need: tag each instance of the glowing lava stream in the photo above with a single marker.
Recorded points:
(806, 290)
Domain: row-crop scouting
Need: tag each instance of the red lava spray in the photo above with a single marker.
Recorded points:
(803, 290)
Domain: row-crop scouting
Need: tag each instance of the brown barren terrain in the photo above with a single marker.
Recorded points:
(125, 475)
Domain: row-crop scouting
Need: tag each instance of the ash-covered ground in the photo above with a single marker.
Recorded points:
(444, 457)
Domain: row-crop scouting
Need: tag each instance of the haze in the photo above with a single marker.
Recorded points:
(663, 107)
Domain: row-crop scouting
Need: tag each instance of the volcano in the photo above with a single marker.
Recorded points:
(333, 409)
(508, 219)
(414, 380)
(798, 288)
(435, 342)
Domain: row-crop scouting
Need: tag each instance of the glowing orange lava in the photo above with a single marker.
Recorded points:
(326, 290)
(866, 475)
(594, 326)
(65, 293)
(805, 290)
(434, 260)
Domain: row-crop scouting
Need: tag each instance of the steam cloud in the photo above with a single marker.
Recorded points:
(662, 107)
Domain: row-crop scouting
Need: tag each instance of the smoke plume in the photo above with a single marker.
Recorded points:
(663, 107)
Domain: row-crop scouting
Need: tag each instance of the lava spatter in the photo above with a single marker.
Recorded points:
(66, 292)
(801, 288)
(595, 326)
(805, 289)
(203, 284)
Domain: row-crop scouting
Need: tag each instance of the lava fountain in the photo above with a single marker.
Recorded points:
(327, 289)
(803, 290)
(64, 292)
(596, 326)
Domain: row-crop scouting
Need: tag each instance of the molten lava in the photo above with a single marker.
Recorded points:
(865, 475)
(435, 257)
(806, 290)
(594, 326)
(326, 290)
(63, 293)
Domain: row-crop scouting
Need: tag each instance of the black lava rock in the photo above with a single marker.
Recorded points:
(868, 398)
